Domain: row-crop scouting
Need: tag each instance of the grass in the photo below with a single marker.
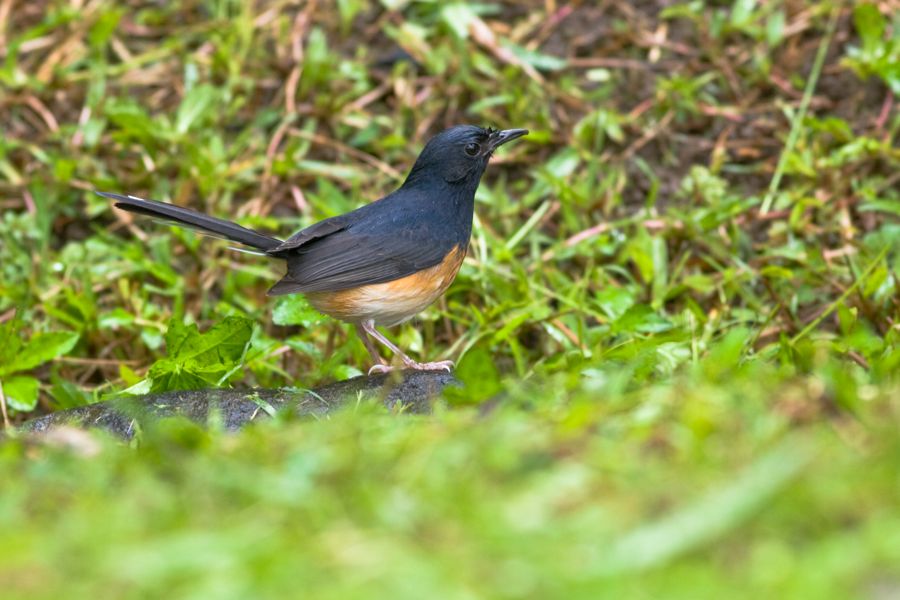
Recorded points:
(681, 295)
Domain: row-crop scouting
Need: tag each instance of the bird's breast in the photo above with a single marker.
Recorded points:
(391, 302)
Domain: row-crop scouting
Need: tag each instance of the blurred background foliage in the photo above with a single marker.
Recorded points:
(681, 294)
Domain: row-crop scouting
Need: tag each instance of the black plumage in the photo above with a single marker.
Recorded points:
(407, 232)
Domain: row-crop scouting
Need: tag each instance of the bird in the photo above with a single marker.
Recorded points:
(385, 262)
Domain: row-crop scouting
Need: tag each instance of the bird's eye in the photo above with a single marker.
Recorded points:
(472, 149)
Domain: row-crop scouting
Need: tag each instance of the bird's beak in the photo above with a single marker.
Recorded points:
(498, 138)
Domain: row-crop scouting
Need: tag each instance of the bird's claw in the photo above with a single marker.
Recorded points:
(442, 365)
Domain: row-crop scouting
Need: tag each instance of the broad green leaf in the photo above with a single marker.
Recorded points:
(198, 360)
(21, 392)
(40, 349)
(168, 375)
(225, 341)
(614, 300)
(177, 334)
(295, 310)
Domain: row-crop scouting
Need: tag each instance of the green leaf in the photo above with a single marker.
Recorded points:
(223, 342)
(614, 301)
(196, 103)
(641, 319)
(870, 25)
(481, 379)
(742, 12)
(334, 171)
(295, 310)
(538, 60)
(105, 27)
(177, 334)
(197, 360)
(68, 395)
(167, 375)
(775, 28)
(131, 119)
(9, 343)
(726, 354)
(21, 392)
(116, 318)
(42, 348)
(458, 16)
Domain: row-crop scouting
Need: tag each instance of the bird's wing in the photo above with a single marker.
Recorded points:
(311, 233)
(350, 257)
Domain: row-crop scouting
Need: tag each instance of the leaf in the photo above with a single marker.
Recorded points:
(168, 375)
(295, 310)
(334, 171)
(68, 395)
(641, 319)
(115, 319)
(538, 60)
(21, 392)
(196, 102)
(458, 16)
(197, 360)
(481, 379)
(132, 120)
(9, 342)
(177, 334)
(223, 342)
(870, 25)
(593, 129)
(563, 164)
(775, 28)
(614, 301)
(726, 354)
(742, 12)
(42, 348)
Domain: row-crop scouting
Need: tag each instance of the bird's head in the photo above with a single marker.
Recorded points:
(460, 154)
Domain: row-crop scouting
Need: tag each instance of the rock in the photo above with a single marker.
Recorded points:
(414, 391)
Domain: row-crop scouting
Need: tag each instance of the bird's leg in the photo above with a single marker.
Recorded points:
(381, 365)
(369, 328)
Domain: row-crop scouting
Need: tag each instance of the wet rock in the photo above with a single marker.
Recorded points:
(410, 391)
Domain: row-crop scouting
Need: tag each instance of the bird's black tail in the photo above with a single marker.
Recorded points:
(195, 220)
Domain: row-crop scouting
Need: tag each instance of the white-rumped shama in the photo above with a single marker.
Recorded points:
(384, 262)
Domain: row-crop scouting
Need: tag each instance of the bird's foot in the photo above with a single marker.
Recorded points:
(442, 365)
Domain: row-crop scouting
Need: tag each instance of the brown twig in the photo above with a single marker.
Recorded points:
(6, 423)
